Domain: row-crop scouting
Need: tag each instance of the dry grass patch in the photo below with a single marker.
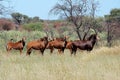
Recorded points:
(100, 64)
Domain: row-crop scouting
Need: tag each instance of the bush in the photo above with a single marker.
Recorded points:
(33, 26)
(6, 25)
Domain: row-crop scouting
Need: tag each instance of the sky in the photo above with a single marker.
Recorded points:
(41, 8)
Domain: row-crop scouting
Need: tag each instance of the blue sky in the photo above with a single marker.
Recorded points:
(41, 7)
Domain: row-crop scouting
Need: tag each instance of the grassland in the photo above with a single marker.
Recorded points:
(100, 64)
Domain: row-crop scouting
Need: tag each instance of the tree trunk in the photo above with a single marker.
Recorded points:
(109, 37)
(78, 33)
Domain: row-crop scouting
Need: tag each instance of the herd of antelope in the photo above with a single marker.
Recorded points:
(57, 43)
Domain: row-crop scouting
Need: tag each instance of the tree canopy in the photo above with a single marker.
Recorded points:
(75, 11)
(5, 7)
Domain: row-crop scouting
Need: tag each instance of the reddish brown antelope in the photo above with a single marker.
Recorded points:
(16, 45)
(37, 45)
(57, 43)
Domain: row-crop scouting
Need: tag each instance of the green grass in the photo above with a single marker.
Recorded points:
(100, 64)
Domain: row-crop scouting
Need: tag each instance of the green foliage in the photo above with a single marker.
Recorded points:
(99, 24)
(5, 36)
(33, 26)
(23, 19)
(113, 25)
(35, 19)
(103, 35)
(17, 17)
(114, 15)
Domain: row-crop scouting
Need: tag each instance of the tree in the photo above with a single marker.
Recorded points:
(75, 11)
(5, 7)
(19, 19)
(113, 25)
(6, 24)
(35, 19)
(22, 19)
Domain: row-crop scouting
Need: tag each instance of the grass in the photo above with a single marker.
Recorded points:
(100, 64)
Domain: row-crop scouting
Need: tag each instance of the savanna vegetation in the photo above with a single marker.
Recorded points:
(77, 22)
(100, 64)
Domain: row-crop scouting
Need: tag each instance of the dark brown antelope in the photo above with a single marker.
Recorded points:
(84, 44)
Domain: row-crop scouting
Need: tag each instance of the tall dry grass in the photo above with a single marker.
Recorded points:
(99, 64)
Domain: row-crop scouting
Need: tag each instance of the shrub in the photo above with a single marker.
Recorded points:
(33, 26)
(6, 25)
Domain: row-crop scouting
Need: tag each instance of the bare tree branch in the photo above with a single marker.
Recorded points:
(5, 7)
(75, 11)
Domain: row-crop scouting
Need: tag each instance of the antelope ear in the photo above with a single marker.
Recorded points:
(11, 39)
(24, 38)
(67, 37)
(49, 39)
(54, 38)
